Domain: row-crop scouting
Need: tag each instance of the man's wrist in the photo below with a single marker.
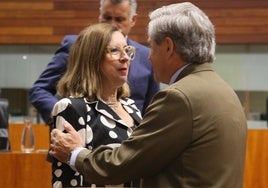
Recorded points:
(72, 157)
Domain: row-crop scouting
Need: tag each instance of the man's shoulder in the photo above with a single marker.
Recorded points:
(70, 37)
(68, 40)
(137, 45)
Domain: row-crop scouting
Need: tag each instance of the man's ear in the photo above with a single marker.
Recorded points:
(169, 45)
(134, 19)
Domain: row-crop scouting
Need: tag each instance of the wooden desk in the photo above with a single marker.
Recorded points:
(41, 133)
(256, 166)
(21, 170)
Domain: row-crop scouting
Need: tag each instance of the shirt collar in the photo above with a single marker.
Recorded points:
(177, 73)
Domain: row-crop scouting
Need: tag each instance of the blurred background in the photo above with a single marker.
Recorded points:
(31, 31)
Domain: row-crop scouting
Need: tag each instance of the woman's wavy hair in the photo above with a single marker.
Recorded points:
(83, 75)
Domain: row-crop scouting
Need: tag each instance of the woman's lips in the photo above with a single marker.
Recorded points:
(123, 69)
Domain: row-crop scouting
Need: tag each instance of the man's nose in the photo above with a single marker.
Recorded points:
(114, 23)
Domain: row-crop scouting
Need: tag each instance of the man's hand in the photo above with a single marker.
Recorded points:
(63, 143)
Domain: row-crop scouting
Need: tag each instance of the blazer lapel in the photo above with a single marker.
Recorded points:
(193, 68)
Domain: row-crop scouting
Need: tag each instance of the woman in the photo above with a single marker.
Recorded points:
(96, 95)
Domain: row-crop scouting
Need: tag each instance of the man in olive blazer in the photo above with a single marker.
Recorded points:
(194, 132)
(192, 135)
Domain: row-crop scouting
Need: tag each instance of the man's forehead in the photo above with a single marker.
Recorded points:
(115, 2)
(117, 9)
(115, 13)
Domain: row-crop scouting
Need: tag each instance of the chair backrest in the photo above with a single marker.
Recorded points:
(4, 140)
(266, 114)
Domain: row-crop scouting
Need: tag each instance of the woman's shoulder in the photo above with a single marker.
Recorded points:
(63, 103)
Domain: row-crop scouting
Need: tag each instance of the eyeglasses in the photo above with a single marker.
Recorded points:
(117, 52)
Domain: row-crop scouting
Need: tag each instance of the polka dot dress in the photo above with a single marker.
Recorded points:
(97, 125)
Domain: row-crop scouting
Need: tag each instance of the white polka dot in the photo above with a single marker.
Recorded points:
(89, 134)
(106, 113)
(139, 114)
(76, 174)
(57, 184)
(129, 131)
(88, 108)
(130, 101)
(113, 134)
(58, 172)
(81, 121)
(88, 118)
(134, 106)
(122, 122)
(73, 182)
(60, 106)
(59, 123)
(59, 163)
(107, 122)
(129, 110)
(82, 134)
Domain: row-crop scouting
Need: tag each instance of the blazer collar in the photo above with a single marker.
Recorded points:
(193, 68)
(127, 103)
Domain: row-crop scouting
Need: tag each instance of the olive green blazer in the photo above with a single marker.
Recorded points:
(193, 135)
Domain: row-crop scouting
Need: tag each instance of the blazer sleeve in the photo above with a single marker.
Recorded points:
(42, 94)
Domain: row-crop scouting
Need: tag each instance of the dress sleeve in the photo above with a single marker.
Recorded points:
(64, 110)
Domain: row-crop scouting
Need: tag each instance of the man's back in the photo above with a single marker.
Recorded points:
(211, 151)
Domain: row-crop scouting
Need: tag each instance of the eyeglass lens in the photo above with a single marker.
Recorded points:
(117, 52)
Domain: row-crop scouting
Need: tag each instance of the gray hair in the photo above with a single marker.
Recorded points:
(190, 29)
(133, 5)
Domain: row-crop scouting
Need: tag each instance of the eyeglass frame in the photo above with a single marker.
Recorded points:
(120, 51)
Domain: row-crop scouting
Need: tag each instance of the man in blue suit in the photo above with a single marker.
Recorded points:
(122, 14)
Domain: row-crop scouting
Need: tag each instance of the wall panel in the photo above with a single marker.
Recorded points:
(47, 21)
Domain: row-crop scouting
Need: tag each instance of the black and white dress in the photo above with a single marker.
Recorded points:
(97, 125)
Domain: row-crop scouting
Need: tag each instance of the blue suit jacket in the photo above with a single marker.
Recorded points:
(140, 79)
